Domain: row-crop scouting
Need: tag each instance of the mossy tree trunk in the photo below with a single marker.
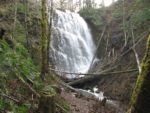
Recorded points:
(46, 102)
(15, 19)
(25, 2)
(141, 95)
(50, 31)
(44, 28)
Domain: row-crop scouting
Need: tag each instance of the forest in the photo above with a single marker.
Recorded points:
(74, 56)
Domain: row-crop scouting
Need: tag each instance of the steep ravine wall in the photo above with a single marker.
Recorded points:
(111, 48)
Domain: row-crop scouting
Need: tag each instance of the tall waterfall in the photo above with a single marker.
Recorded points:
(72, 47)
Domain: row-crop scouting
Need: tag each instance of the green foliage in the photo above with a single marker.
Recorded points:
(95, 16)
(141, 16)
(2, 104)
(143, 2)
(20, 8)
(117, 11)
(63, 104)
(20, 32)
(9, 106)
(15, 63)
(66, 106)
(117, 14)
(48, 90)
(22, 109)
(18, 60)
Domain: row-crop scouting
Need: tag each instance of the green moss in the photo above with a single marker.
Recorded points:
(63, 104)
(16, 64)
(20, 33)
(20, 8)
(141, 91)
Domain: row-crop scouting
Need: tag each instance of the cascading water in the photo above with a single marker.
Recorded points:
(72, 47)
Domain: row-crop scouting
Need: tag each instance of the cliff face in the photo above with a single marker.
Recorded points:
(125, 30)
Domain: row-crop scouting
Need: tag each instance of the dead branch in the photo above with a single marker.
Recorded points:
(135, 53)
(59, 106)
(99, 41)
(79, 91)
(10, 98)
(140, 38)
(65, 72)
(102, 73)
(27, 85)
(97, 76)
(31, 89)
(3, 111)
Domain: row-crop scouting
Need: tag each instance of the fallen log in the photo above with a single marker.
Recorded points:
(81, 92)
(96, 76)
(104, 101)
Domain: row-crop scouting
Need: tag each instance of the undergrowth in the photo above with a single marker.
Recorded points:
(16, 68)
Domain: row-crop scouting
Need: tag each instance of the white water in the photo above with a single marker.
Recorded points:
(72, 47)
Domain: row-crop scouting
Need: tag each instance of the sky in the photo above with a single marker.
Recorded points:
(98, 2)
(106, 2)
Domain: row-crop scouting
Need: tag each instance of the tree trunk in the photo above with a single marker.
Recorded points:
(141, 95)
(15, 19)
(50, 32)
(47, 104)
(44, 28)
(124, 27)
(26, 24)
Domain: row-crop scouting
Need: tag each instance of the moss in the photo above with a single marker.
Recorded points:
(20, 33)
(15, 62)
(139, 101)
(63, 104)
(46, 104)
(20, 8)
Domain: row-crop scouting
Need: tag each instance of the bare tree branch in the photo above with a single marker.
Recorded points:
(98, 76)
(9, 97)
(135, 53)
(97, 48)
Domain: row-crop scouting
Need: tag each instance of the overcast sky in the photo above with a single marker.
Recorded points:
(106, 2)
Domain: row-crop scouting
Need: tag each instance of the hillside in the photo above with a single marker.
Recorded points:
(124, 37)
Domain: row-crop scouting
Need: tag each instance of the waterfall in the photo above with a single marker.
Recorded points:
(72, 47)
